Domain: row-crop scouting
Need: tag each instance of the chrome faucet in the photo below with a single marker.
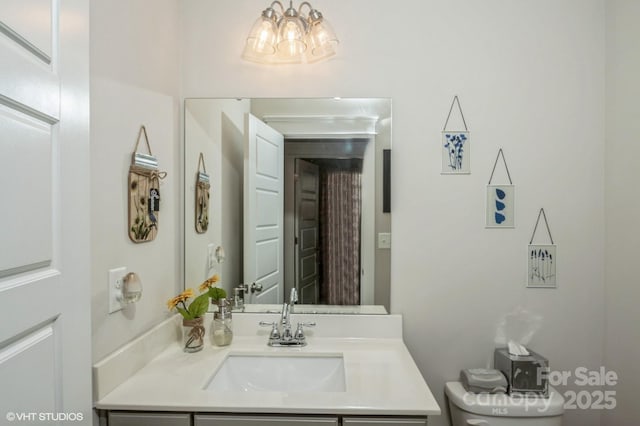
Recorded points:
(281, 334)
(287, 309)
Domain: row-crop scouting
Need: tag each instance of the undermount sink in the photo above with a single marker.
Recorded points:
(280, 373)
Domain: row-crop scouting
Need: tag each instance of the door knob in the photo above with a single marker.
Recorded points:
(256, 288)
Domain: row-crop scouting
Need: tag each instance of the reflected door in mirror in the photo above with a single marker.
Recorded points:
(263, 205)
(307, 187)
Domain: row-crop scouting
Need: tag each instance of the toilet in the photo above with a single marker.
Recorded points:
(471, 409)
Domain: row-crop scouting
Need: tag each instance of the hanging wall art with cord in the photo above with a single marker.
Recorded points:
(144, 193)
(456, 146)
(500, 209)
(541, 259)
(203, 186)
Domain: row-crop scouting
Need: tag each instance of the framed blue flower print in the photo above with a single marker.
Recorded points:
(456, 153)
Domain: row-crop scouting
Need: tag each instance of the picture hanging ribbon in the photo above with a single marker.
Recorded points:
(542, 259)
(544, 216)
(500, 153)
(456, 101)
(500, 212)
(203, 186)
(455, 145)
(144, 193)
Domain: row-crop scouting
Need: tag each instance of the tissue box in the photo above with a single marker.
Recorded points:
(526, 374)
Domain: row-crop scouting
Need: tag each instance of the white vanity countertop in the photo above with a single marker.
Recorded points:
(381, 379)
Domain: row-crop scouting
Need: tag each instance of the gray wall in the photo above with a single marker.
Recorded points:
(622, 350)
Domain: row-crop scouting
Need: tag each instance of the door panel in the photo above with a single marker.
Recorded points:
(308, 238)
(205, 420)
(372, 421)
(267, 155)
(29, 23)
(28, 362)
(26, 170)
(308, 207)
(28, 85)
(271, 295)
(268, 206)
(267, 259)
(263, 207)
(149, 419)
(308, 267)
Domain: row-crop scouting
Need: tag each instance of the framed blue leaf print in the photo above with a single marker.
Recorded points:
(500, 206)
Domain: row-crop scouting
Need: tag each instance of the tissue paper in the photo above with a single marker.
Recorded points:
(517, 349)
(516, 329)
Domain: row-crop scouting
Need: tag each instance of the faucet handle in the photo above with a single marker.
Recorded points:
(299, 334)
(275, 333)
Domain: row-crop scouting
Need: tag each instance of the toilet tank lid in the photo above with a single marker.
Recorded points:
(503, 405)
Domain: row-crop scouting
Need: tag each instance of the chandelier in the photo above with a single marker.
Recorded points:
(290, 37)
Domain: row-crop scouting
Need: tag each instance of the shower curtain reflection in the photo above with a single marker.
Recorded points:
(340, 212)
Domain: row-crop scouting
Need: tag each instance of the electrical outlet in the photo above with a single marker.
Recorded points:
(116, 278)
(384, 240)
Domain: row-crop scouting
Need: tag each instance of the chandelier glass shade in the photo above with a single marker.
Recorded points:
(289, 36)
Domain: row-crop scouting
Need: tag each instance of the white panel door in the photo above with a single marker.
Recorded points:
(307, 185)
(263, 211)
(45, 363)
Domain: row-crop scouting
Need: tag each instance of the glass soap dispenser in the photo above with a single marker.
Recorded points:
(222, 327)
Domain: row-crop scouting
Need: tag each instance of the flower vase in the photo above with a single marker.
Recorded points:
(193, 334)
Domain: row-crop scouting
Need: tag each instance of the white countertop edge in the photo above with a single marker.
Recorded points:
(350, 411)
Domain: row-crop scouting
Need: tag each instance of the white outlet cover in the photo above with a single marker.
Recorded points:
(384, 240)
(116, 278)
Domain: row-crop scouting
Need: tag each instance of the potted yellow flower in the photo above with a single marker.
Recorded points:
(215, 293)
(192, 318)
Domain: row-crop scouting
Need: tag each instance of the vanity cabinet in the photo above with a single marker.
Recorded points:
(386, 421)
(134, 418)
(242, 420)
(131, 418)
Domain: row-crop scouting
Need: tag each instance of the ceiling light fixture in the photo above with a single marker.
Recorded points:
(289, 37)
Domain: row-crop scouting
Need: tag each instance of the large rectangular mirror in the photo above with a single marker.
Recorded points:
(295, 199)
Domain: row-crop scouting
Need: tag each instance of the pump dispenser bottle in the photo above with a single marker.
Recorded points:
(222, 327)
